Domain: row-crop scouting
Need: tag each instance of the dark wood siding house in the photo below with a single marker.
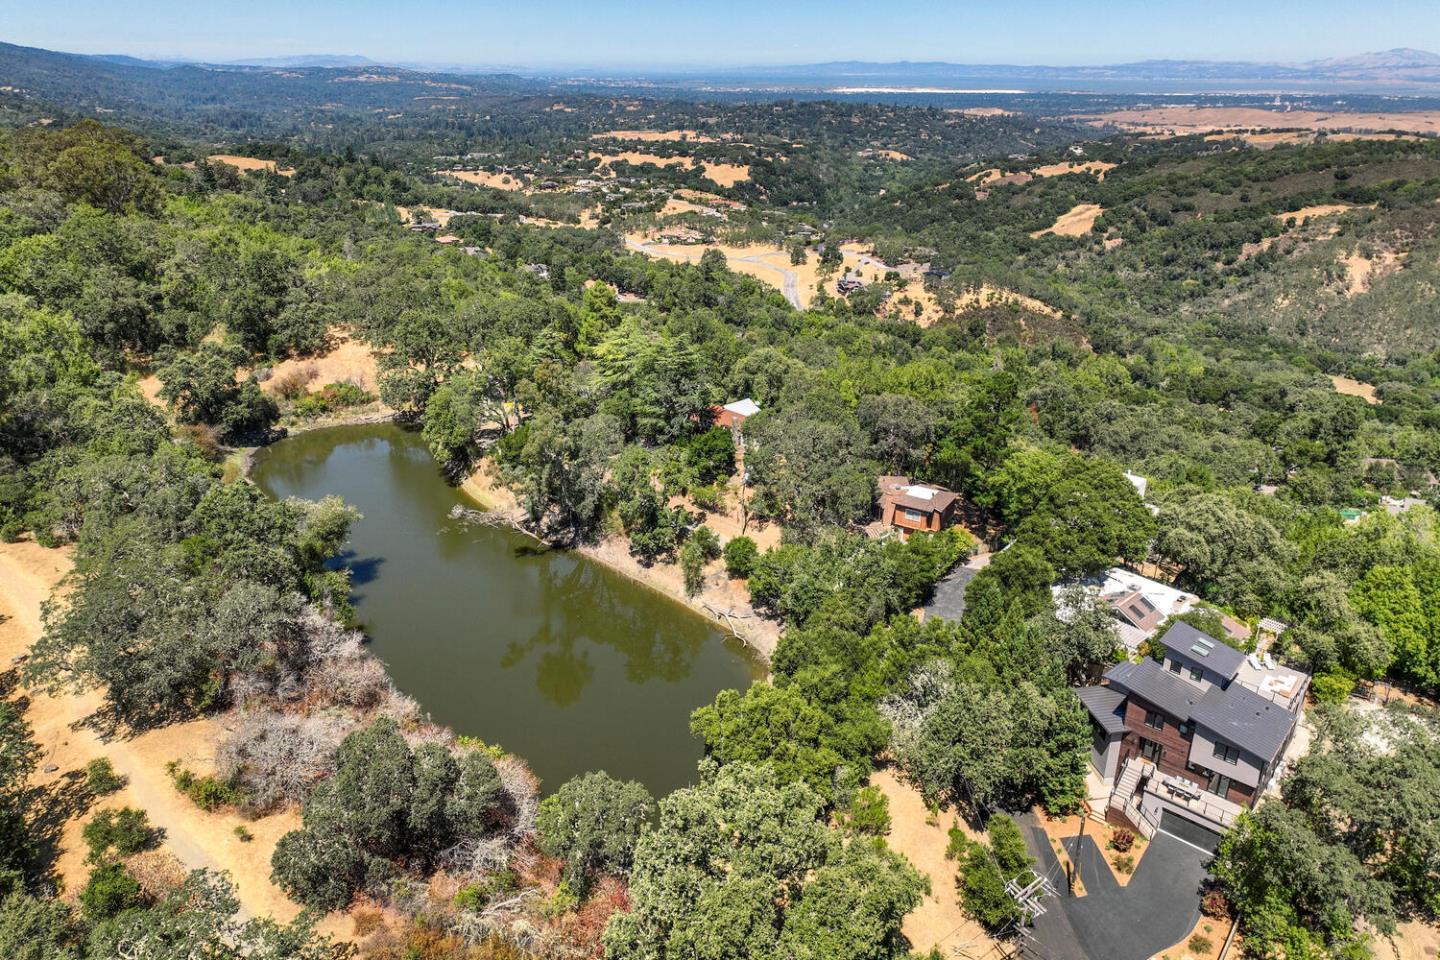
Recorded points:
(1198, 735)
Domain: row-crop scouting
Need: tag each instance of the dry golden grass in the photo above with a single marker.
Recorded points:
(247, 164)
(938, 922)
(1097, 167)
(348, 360)
(1417, 940)
(654, 136)
(30, 574)
(721, 174)
(496, 181)
(1075, 222)
(726, 174)
(637, 157)
(1362, 272)
(1190, 120)
(1354, 388)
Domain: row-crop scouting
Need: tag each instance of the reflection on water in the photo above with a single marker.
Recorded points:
(553, 656)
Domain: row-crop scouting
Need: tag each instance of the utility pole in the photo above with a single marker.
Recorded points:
(1075, 857)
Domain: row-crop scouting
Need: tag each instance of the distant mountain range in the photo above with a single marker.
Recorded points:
(1399, 71)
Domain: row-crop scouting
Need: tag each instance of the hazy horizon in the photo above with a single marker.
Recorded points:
(605, 34)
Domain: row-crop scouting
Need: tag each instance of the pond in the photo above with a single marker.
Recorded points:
(552, 656)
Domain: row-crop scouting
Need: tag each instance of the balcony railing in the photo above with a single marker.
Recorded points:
(1172, 789)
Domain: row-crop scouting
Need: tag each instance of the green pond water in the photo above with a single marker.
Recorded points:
(550, 655)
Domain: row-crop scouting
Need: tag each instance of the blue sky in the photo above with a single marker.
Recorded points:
(736, 32)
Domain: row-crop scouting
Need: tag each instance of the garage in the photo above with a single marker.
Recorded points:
(1189, 831)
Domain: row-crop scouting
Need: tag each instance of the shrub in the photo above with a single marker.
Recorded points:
(242, 834)
(1200, 944)
(711, 496)
(958, 844)
(101, 778)
(1125, 864)
(1122, 840)
(207, 792)
(319, 870)
(740, 557)
(707, 541)
(870, 812)
(592, 824)
(692, 567)
(1332, 687)
(1214, 905)
(291, 384)
(109, 891)
(124, 831)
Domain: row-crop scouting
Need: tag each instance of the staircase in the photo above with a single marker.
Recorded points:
(1129, 780)
(1123, 801)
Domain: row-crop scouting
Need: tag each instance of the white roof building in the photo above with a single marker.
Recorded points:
(1118, 585)
(744, 408)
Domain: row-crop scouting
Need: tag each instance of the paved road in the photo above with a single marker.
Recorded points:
(789, 280)
(1155, 911)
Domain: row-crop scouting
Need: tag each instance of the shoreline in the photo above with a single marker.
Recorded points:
(761, 642)
(759, 638)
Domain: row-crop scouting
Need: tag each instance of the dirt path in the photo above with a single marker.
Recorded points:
(28, 574)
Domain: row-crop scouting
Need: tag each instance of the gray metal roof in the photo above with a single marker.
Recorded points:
(1150, 681)
(1202, 648)
(1106, 705)
(1246, 719)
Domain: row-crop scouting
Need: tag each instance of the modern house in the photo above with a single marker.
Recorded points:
(1186, 744)
(908, 506)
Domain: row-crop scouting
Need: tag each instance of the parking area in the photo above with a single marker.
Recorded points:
(1155, 910)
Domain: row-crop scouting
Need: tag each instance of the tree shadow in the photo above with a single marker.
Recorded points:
(51, 806)
(363, 570)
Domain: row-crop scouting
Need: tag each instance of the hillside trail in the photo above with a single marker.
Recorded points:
(62, 727)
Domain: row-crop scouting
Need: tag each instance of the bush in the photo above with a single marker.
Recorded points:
(708, 542)
(207, 792)
(1200, 944)
(869, 812)
(291, 385)
(711, 496)
(109, 891)
(1125, 864)
(1332, 687)
(740, 557)
(711, 455)
(319, 870)
(1122, 840)
(123, 832)
(101, 778)
(692, 567)
(592, 824)
(1214, 905)
(958, 844)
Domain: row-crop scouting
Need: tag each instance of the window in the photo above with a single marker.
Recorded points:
(1196, 673)
(914, 515)
(1151, 750)
(1223, 751)
(1219, 784)
(1155, 719)
(1174, 666)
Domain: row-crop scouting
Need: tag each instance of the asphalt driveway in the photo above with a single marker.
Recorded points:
(1157, 909)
